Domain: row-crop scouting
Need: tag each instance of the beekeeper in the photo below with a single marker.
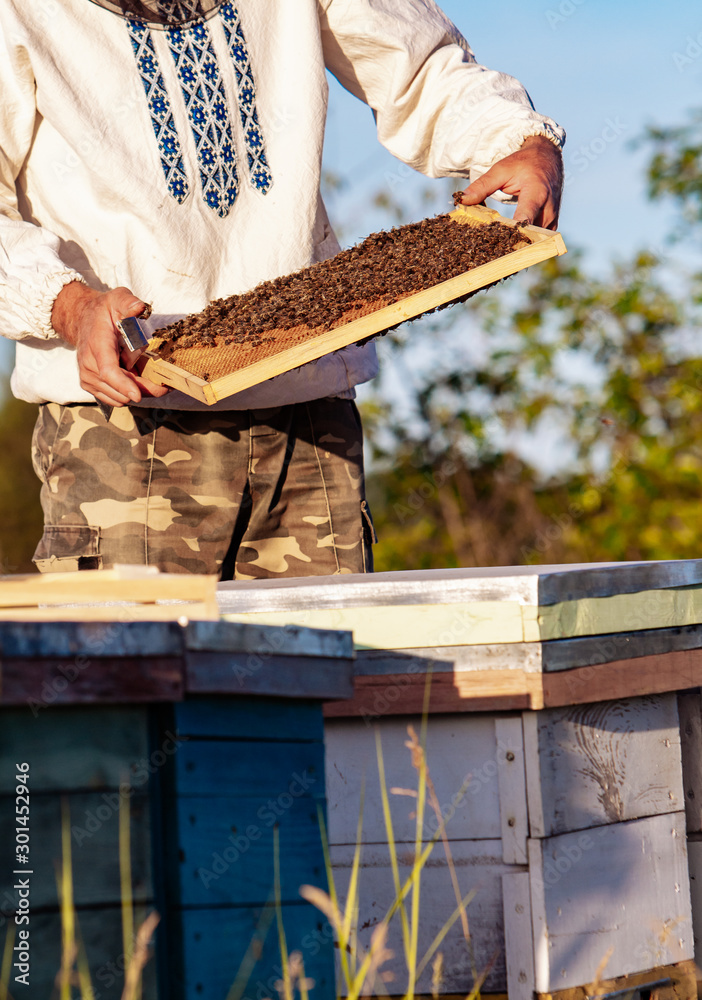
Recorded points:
(169, 153)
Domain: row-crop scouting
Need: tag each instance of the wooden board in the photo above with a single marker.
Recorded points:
(514, 821)
(459, 608)
(622, 887)
(224, 855)
(455, 751)
(94, 818)
(541, 245)
(281, 676)
(529, 585)
(101, 932)
(69, 748)
(279, 720)
(506, 690)
(690, 715)
(221, 768)
(128, 583)
(664, 982)
(215, 941)
(519, 944)
(45, 682)
(55, 663)
(603, 763)
(479, 866)
(694, 858)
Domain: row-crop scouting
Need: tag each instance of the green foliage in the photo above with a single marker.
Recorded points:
(599, 372)
(21, 516)
(675, 169)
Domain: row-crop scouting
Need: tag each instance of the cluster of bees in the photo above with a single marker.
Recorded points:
(385, 267)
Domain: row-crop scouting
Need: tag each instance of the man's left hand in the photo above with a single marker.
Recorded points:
(534, 174)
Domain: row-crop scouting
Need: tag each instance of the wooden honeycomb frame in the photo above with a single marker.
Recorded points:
(539, 244)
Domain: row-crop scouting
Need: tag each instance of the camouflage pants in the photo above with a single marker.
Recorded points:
(247, 494)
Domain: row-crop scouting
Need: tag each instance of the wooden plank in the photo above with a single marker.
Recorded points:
(162, 372)
(558, 584)
(507, 690)
(224, 767)
(623, 887)
(602, 763)
(403, 694)
(222, 637)
(545, 245)
(101, 932)
(690, 715)
(524, 656)
(563, 654)
(676, 671)
(533, 585)
(264, 673)
(94, 825)
(519, 944)
(694, 860)
(480, 622)
(549, 657)
(108, 680)
(73, 748)
(666, 982)
(221, 849)
(272, 719)
(514, 823)
(125, 583)
(214, 942)
(414, 625)
(478, 866)
(600, 615)
(457, 750)
(532, 769)
(92, 640)
(116, 611)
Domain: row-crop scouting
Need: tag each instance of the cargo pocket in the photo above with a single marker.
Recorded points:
(368, 537)
(65, 547)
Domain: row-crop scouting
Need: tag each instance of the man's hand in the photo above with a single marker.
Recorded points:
(534, 173)
(86, 319)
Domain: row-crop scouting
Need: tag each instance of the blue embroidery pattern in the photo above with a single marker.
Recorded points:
(160, 110)
(205, 99)
(259, 171)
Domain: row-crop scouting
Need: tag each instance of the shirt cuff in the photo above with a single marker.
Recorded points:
(512, 142)
(47, 295)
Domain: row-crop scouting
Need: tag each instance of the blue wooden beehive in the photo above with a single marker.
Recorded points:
(213, 732)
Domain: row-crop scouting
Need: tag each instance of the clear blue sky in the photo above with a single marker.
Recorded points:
(586, 63)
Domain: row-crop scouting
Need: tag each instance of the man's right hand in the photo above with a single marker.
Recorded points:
(86, 319)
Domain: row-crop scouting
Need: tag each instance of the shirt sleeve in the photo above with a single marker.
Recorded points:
(436, 108)
(31, 270)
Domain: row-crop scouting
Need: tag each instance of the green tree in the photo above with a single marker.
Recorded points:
(605, 368)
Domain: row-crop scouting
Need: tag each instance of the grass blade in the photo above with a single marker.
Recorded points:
(68, 915)
(6, 970)
(444, 931)
(253, 952)
(392, 850)
(284, 959)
